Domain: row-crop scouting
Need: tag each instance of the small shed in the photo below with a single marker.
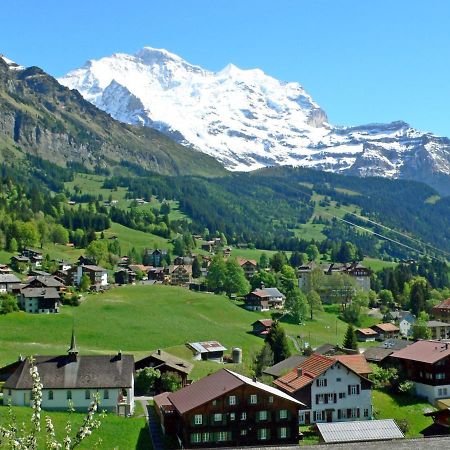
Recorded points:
(207, 351)
(359, 431)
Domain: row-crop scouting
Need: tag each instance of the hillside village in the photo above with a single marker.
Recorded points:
(279, 394)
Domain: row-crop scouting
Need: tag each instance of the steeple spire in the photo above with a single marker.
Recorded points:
(73, 350)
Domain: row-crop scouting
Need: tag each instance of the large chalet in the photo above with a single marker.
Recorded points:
(231, 410)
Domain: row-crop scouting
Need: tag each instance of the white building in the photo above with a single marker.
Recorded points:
(332, 389)
(75, 379)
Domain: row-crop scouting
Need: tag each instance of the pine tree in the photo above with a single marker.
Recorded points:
(277, 340)
(263, 359)
(235, 281)
(350, 341)
(196, 268)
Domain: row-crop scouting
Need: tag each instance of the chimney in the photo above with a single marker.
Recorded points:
(254, 379)
(159, 351)
(119, 355)
(262, 285)
(299, 372)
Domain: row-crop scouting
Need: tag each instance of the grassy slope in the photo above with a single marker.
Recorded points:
(115, 432)
(140, 318)
(388, 406)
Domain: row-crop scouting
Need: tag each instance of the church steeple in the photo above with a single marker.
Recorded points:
(73, 350)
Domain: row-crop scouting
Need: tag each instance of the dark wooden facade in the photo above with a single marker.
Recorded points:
(240, 424)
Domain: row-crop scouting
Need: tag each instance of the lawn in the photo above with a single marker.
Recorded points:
(389, 406)
(377, 264)
(115, 432)
(138, 319)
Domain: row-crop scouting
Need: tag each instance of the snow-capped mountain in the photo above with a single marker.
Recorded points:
(247, 119)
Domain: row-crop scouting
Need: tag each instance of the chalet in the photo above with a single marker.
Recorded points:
(4, 269)
(39, 300)
(20, 263)
(38, 273)
(154, 257)
(64, 265)
(34, 256)
(74, 378)
(227, 252)
(97, 275)
(124, 276)
(261, 327)
(229, 410)
(333, 390)
(179, 275)
(358, 363)
(46, 282)
(439, 330)
(165, 362)
(208, 246)
(427, 365)
(156, 274)
(83, 260)
(442, 311)
(207, 351)
(366, 334)
(8, 281)
(386, 331)
(264, 299)
(356, 270)
(250, 266)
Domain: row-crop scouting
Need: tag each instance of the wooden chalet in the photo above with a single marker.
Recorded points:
(261, 327)
(442, 311)
(386, 331)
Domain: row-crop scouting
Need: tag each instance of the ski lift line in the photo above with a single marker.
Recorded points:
(397, 232)
(388, 239)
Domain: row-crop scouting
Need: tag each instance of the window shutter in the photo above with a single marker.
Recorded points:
(326, 398)
(357, 389)
(326, 382)
(317, 382)
(357, 412)
(288, 432)
(317, 399)
(268, 433)
(349, 390)
(335, 398)
(349, 413)
(339, 414)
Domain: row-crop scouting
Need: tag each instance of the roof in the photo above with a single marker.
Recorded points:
(359, 430)
(386, 327)
(394, 344)
(39, 292)
(169, 360)
(274, 292)
(264, 322)
(437, 323)
(48, 281)
(312, 367)
(93, 268)
(443, 305)
(216, 385)
(366, 331)
(424, 351)
(286, 365)
(325, 348)
(8, 278)
(242, 261)
(357, 363)
(377, 354)
(207, 346)
(84, 372)
(162, 401)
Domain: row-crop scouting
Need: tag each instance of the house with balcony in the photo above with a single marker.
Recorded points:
(332, 389)
(439, 330)
(227, 409)
(442, 311)
(427, 364)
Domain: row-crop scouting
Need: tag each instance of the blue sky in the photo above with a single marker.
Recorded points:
(361, 60)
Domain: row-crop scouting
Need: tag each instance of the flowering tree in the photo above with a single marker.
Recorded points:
(21, 439)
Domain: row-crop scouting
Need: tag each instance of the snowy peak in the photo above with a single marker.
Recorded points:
(247, 119)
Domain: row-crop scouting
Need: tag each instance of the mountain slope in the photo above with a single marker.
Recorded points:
(41, 117)
(249, 120)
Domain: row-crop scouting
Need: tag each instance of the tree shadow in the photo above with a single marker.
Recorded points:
(144, 442)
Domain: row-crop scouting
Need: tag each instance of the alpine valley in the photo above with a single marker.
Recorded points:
(248, 120)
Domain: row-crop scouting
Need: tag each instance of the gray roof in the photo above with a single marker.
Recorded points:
(359, 431)
(84, 372)
(377, 354)
(40, 292)
(167, 359)
(93, 268)
(47, 281)
(326, 348)
(274, 292)
(279, 369)
(437, 323)
(394, 344)
(207, 347)
(8, 278)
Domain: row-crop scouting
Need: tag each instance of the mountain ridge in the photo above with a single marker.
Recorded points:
(248, 120)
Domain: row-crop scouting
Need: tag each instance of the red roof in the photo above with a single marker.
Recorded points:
(313, 367)
(358, 363)
(443, 305)
(266, 322)
(386, 327)
(242, 261)
(367, 331)
(424, 351)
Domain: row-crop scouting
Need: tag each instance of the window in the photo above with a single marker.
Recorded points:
(342, 414)
(263, 434)
(223, 436)
(243, 432)
(283, 432)
(366, 412)
(214, 402)
(341, 394)
(283, 413)
(440, 376)
(321, 382)
(338, 379)
(244, 416)
(217, 417)
(318, 416)
(106, 394)
(301, 417)
(50, 395)
(69, 395)
(262, 415)
(253, 399)
(198, 419)
(9, 391)
(196, 437)
(87, 394)
(232, 400)
(353, 389)
(232, 416)
(206, 437)
(320, 398)
(270, 398)
(330, 398)
(354, 413)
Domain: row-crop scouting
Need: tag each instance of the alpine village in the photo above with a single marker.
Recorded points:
(152, 298)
